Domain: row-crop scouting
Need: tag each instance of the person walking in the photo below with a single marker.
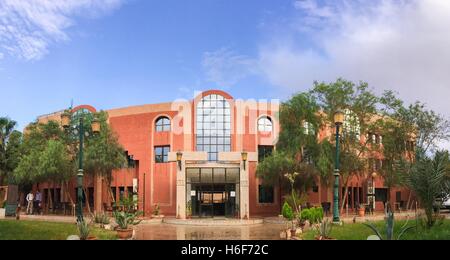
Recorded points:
(37, 203)
(30, 199)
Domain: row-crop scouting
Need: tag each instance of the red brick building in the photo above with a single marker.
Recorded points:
(219, 140)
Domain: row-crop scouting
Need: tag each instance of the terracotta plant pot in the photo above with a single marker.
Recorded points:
(293, 232)
(362, 212)
(92, 238)
(124, 233)
(324, 238)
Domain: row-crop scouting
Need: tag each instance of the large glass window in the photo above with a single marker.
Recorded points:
(264, 151)
(265, 124)
(163, 124)
(162, 154)
(265, 194)
(213, 126)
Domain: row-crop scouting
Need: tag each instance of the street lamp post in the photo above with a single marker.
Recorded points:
(338, 121)
(65, 119)
(80, 173)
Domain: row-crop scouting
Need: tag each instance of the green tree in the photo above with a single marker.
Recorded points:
(297, 148)
(50, 153)
(360, 106)
(44, 157)
(103, 152)
(10, 141)
(406, 130)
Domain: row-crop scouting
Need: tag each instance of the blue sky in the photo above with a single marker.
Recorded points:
(115, 53)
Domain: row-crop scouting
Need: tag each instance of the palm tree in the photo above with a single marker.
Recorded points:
(428, 179)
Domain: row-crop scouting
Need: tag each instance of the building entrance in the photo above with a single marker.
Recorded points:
(212, 192)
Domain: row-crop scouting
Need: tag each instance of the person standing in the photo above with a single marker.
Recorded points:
(30, 199)
(37, 203)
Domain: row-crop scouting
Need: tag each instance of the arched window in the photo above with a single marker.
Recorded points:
(265, 124)
(163, 124)
(213, 126)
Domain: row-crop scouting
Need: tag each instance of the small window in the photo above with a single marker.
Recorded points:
(308, 128)
(315, 188)
(162, 154)
(375, 138)
(266, 194)
(264, 151)
(163, 124)
(265, 124)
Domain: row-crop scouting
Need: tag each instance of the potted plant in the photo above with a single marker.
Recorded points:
(2, 210)
(361, 210)
(124, 219)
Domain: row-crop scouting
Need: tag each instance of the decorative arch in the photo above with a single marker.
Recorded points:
(87, 107)
(214, 91)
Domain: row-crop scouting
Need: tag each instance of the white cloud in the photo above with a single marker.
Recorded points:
(401, 45)
(29, 27)
(225, 68)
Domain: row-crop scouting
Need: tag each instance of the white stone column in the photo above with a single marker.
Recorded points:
(181, 191)
(244, 192)
(181, 177)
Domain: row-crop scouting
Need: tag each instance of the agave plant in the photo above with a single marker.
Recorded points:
(390, 228)
(324, 229)
(124, 219)
(83, 229)
(101, 218)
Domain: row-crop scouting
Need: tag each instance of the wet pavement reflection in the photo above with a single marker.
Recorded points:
(182, 232)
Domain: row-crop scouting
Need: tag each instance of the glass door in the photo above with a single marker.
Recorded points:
(230, 200)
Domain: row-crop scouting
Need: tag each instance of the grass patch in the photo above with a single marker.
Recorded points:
(358, 231)
(40, 230)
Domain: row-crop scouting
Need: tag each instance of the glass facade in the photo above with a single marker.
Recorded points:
(213, 126)
(212, 192)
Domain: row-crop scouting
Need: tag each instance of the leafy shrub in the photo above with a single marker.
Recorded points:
(287, 212)
(313, 215)
(316, 215)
